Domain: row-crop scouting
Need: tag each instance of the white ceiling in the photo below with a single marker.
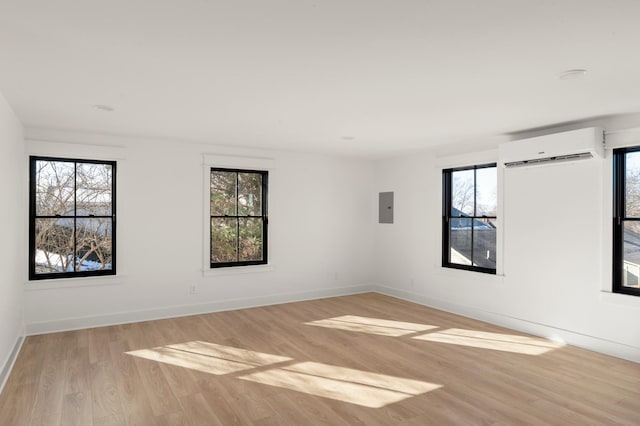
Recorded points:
(353, 77)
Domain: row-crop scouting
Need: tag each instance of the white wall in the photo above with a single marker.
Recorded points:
(319, 230)
(13, 223)
(556, 271)
(324, 242)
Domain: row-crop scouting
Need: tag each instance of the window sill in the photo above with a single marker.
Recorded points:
(620, 299)
(237, 270)
(445, 270)
(470, 269)
(56, 283)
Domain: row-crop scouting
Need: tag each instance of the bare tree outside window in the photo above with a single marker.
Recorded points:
(238, 217)
(72, 225)
(630, 223)
(469, 218)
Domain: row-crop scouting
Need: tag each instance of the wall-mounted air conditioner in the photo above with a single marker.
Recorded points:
(559, 147)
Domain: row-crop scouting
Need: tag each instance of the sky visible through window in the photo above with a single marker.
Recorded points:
(486, 191)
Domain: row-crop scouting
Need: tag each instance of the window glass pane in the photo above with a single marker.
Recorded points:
(249, 194)
(54, 188)
(250, 239)
(632, 184)
(486, 191)
(462, 192)
(224, 240)
(93, 244)
(223, 193)
(53, 245)
(631, 250)
(460, 241)
(93, 193)
(484, 243)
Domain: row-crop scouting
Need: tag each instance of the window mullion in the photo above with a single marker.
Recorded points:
(475, 215)
(75, 215)
(237, 216)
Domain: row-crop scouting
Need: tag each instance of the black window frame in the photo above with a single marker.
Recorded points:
(447, 216)
(264, 216)
(619, 219)
(33, 276)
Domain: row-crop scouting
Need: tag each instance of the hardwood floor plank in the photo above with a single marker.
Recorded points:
(29, 362)
(181, 381)
(16, 404)
(77, 410)
(104, 391)
(47, 408)
(132, 392)
(112, 420)
(174, 419)
(161, 399)
(435, 367)
(199, 410)
(98, 340)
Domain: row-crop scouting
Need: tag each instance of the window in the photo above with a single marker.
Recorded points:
(238, 208)
(626, 221)
(72, 218)
(469, 218)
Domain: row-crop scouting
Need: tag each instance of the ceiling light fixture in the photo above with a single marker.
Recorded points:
(105, 108)
(572, 74)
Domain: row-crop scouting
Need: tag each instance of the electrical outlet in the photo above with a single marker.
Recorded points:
(193, 289)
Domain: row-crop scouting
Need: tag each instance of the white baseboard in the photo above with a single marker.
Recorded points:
(596, 344)
(10, 361)
(67, 324)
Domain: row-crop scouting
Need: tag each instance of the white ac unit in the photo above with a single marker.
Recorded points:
(559, 147)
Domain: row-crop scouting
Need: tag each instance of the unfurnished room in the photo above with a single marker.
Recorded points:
(302, 212)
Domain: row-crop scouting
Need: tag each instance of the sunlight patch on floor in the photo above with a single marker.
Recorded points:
(495, 341)
(230, 353)
(372, 325)
(313, 378)
(208, 357)
(343, 384)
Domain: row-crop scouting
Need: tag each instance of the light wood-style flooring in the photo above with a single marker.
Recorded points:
(356, 360)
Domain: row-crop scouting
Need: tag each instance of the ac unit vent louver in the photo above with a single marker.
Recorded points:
(556, 159)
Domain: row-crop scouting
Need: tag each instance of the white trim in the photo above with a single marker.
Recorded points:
(606, 230)
(467, 159)
(80, 151)
(186, 310)
(622, 138)
(236, 270)
(620, 299)
(74, 282)
(238, 162)
(10, 362)
(74, 150)
(235, 162)
(607, 347)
